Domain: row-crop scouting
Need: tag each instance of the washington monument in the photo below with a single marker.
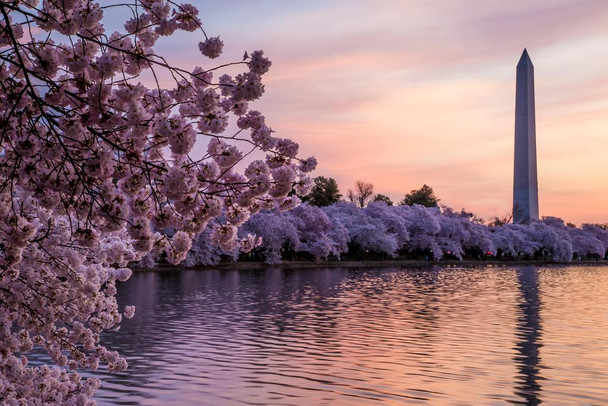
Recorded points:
(525, 184)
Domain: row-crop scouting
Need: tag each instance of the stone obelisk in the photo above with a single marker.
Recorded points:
(525, 184)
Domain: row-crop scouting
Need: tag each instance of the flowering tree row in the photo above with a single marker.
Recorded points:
(343, 228)
(97, 160)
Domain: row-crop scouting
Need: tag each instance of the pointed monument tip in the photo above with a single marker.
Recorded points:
(525, 58)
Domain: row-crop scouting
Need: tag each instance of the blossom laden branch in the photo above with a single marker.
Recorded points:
(97, 170)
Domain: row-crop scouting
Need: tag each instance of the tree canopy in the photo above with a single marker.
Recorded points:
(324, 192)
(423, 196)
(362, 194)
(383, 198)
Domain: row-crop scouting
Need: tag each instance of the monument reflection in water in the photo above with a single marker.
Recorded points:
(529, 334)
(427, 336)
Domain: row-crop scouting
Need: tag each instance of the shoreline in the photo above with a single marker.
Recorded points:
(244, 266)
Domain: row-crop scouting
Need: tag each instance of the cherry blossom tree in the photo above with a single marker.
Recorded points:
(423, 228)
(585, 243)
(549, 236)
(315, 234)
(339, 236)
(365, 232)
(203, 252)
(552, 235)
(451, 235)
(599, 232)
(391, 219)
(277, 232)
(467, 230)
(479, 237)
(96, 162)
(513, 240)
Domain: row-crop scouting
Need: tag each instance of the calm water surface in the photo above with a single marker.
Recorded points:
(440, 336)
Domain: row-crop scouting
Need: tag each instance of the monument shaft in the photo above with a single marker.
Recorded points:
(525, 184)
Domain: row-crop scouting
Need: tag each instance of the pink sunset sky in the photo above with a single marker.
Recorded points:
(405, 93)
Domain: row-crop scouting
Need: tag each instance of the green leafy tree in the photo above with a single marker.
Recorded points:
(325, 192)
(383, 198)
(423, 196)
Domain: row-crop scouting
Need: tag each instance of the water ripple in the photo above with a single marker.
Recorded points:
(359, 337)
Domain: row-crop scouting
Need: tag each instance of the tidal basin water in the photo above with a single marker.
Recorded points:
(437, 336)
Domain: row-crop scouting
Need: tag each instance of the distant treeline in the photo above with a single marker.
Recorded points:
(380, 231)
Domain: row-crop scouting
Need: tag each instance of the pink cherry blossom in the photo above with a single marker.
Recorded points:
(211, 47)
(96, 174)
